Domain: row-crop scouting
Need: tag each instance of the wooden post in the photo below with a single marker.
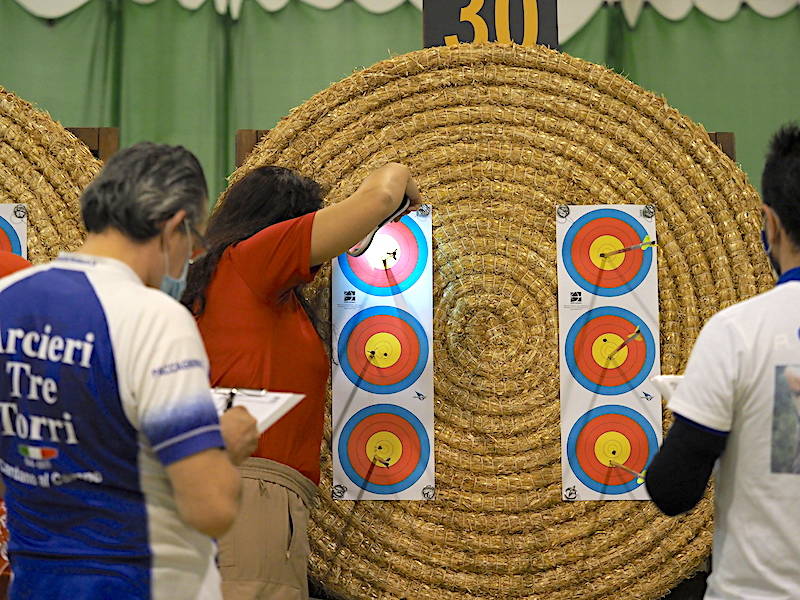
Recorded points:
(246, 140)
(726, 141)
(101, 141)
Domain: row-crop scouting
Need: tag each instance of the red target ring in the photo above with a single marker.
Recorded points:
(587, 458)
(601, 374)
(5, 242)
(582, 259)
(407, 259)
(362, 463)
(405, 364)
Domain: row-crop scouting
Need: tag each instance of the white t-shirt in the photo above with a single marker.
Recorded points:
(743, 376)
(103, 382)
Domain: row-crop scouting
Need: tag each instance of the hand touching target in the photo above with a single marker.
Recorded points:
(607, 252)
(393, 263)
(608, 435)
(384, 449)
(383, 349)
(609, 350)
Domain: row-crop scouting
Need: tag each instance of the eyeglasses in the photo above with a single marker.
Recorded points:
(199, 244)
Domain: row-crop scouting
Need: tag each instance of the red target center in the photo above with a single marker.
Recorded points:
(611, 376)
(357, 354)
(407, 255)
(363, 465)
(585, 448)
(582, 259)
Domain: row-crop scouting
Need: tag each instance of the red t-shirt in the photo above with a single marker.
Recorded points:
(11, 263)
(258, 336)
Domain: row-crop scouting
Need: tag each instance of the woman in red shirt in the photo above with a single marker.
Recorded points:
(266, 238)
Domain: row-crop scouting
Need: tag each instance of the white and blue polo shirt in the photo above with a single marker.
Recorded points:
(103, 383)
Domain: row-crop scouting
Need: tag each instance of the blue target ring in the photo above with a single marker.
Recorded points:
(593, 287)
(11, 234)
(416, 346)
(635, 379)
(344, 448)
(400, 286)
(647, 432)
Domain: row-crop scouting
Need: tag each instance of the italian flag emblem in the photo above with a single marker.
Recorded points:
(38, 452)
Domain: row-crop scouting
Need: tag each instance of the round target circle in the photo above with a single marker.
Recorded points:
(611, 433)
(609, 350)
(9, 240)
(384, 449)
(394, 261)
(591, 238)
(383, 349)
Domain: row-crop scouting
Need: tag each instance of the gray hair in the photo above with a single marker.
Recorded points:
(141, 187)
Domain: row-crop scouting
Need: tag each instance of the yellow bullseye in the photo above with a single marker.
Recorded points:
(604, 346)
(384, 449)
(612, 445)
(383, 350)
(605, 244)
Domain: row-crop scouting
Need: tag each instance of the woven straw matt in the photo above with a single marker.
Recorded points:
(497, 137)
(46, 167)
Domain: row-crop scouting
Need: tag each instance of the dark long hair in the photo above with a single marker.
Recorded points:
(263, 197)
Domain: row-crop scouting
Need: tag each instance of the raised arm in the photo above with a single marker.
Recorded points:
(340, 226)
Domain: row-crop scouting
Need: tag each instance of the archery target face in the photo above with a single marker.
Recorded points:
(609, 350)
(393, 263)
(384, 449)
(383, 349)
(599, 233)
(9, 239)
(611, 433)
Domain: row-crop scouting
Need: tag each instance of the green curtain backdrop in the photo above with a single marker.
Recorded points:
(164, 73)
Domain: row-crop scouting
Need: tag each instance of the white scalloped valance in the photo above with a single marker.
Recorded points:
(572, 14)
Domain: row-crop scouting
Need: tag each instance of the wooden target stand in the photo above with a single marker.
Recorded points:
(101, 141)
(690, 589)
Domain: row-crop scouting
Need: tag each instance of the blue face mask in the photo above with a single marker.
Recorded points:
(170, 285)
(175, 287)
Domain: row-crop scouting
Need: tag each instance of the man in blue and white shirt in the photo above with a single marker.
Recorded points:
(114, 460)
(737, 405)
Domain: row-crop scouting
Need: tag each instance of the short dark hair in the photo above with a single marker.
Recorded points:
(142, 186)
(780, 182)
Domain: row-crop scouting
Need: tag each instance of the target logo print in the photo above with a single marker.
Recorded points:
(609, 350)
(393, 263)
(9, 240)
(384, 449)
(595, 257)
(607, 434)
(383, 349)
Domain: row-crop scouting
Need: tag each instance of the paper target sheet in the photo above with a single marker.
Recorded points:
(14, 229)
(609, 349)
(382, 376)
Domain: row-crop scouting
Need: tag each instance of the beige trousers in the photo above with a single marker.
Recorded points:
(265, 554)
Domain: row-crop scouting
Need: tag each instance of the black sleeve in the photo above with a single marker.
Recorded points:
(679, 473)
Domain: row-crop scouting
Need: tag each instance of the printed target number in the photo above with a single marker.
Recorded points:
(502, 25)
(606, 435)
(525, 22)
(394, 262)
(607, 252)
(9, 240)
(610, 350)
(383, 349)
(384, 449)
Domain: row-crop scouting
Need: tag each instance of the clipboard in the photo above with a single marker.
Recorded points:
(266, 407)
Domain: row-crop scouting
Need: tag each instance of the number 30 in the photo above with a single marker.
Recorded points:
(502, 26)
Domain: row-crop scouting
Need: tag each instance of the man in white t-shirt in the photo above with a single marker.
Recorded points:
(738, 404)
(118, 471)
